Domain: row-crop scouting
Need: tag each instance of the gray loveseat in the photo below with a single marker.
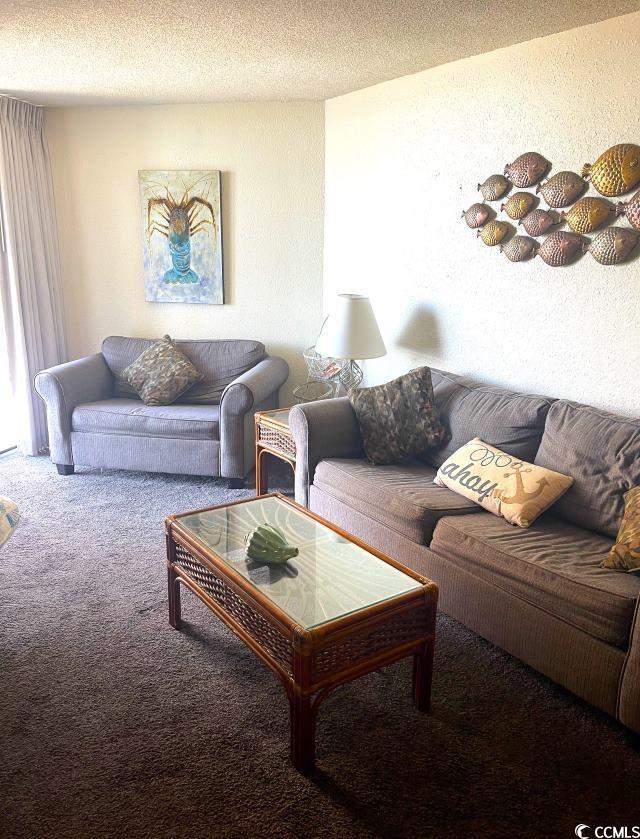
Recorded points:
(95, 419)
(539, 593)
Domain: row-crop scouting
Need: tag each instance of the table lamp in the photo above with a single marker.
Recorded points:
(351, 332)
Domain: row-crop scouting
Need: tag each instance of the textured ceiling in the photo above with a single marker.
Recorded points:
(58, 52)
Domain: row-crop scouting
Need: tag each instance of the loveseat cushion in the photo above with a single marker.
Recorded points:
(513, 422)
(553, 565)
(132, 417)
(220, 362)
(601, 452)
(402, 496)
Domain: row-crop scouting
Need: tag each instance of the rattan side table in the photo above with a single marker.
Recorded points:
(274, 438)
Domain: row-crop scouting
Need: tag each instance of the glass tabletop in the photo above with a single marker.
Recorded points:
(331, 577)
(280, 417)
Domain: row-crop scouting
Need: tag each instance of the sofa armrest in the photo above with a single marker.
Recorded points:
(629, 697)
(249, 391)
(326, 428)
(65, 386)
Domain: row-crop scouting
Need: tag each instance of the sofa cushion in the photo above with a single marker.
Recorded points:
(132, 417)
(402, 497)
(514, 422)
(553, 565)
(221, 362)
(601, 452)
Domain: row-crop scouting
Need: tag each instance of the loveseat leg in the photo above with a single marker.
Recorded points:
(236, 483)
(64, 469)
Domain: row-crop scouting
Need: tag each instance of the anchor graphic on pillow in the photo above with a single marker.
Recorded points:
(520, 496)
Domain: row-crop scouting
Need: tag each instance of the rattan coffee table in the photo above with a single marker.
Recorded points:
(340, 609)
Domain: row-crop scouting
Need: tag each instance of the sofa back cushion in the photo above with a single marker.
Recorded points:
(219, 361)
(601, 452)
(513, 422)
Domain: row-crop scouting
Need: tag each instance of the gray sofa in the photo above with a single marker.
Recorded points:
(540, 592)
(95, 419)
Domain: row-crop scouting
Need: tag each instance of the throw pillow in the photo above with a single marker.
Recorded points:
(625, 554)
(161, 373)
(505, 486)
(9, 518)
(398, 419)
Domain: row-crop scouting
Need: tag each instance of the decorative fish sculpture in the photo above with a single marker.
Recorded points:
(519, 248)
(616, 171)
(562, 189)
(630, 209)
(519, 204)
(561, 248)
(494, 187)
(613, 245)
(493, 232)
(527, 169)
(538, 222)
(587, 214)
(476, 215)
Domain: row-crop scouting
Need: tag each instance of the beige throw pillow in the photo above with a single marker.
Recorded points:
(625, 554)
(505, 486)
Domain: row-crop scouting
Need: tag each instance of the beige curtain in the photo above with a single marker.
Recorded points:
(30, 284)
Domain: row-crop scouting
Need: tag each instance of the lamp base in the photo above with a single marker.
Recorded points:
(350, 375)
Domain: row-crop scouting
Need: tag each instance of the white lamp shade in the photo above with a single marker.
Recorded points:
(351, 330)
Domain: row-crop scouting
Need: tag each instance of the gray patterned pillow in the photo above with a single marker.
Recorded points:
(398, 419)
(161, 373)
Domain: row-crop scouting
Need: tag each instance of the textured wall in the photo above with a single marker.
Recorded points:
(271, 157)
(403, 159)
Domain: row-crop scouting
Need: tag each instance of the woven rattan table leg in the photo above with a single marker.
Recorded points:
(262, 475)
(303, 733)
(173, 585)
(422, 674)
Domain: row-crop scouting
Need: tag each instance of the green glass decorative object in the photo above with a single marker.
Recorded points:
(267, 543)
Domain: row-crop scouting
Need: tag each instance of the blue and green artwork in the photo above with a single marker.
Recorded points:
(182, 236)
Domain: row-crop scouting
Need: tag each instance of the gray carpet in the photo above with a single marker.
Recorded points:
(115, 725)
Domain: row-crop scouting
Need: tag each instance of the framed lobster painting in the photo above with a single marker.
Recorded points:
(182, 236)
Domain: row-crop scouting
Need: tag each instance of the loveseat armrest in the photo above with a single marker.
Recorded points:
(63, 387)
(326, 428)
(252, 391)
(628, 711)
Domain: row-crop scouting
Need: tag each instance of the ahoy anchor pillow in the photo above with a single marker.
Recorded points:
(505, 486)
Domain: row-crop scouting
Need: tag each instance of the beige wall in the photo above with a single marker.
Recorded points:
(271, 157)
(403, 159)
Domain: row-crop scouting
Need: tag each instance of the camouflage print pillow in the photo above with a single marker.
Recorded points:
(625, 554)
(161, 373)
(398, 419)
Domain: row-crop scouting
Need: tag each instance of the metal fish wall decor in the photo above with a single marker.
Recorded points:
(519, 205)
(587, 214)
(519, 248)
(614, 173)
(537, 222)
(494, 187)
(562, 189)
(527, 169)
(561, 248)
(493, 232)
(630, 209)
(476, 215)
(613, 245)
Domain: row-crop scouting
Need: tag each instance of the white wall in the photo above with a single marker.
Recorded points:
(403, 159)
(272, 158)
